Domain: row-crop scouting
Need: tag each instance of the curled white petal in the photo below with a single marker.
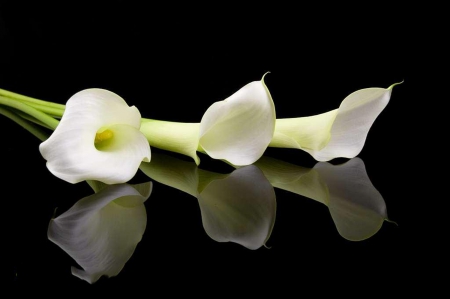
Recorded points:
(239, 128)
(100, 232)
(71, 152)
(337, 133)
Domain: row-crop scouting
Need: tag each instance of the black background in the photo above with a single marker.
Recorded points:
(173, 64)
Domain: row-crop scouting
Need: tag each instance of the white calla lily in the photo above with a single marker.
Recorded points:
(237, 129)
(98, 138)
(100, 232)
(239, 207)
(338, 133)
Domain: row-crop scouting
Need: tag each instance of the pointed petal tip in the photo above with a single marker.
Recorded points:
(196, 159)
(395, 84)
(391, 221)
(262, 79)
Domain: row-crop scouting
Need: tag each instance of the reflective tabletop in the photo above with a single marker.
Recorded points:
(285, 225)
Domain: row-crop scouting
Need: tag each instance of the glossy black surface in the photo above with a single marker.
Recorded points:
(175, 74)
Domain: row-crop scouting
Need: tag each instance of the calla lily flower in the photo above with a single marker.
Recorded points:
(100, 232)
(338, 133)
(237, 129)
(357, 208)
(98, 138)
(239, 207)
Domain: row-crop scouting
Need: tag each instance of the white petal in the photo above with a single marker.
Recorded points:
(355, 116)
(337, 133)
(71, 153)
(101, 232)
(240, 208)
(239, 128)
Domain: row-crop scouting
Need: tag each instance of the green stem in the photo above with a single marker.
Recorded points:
(44, 118)
(29, 100)
(47, 108)
(54, 112)
(31, 119)
(36, 131)
(173, 136)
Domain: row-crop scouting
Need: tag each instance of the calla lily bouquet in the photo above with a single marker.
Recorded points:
(97, 136)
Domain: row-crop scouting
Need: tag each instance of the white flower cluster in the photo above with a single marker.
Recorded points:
(101, 138)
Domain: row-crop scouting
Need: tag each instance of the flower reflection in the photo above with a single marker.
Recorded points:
(239, 207)
(100, 232)
(357, 208)
(243, 204)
